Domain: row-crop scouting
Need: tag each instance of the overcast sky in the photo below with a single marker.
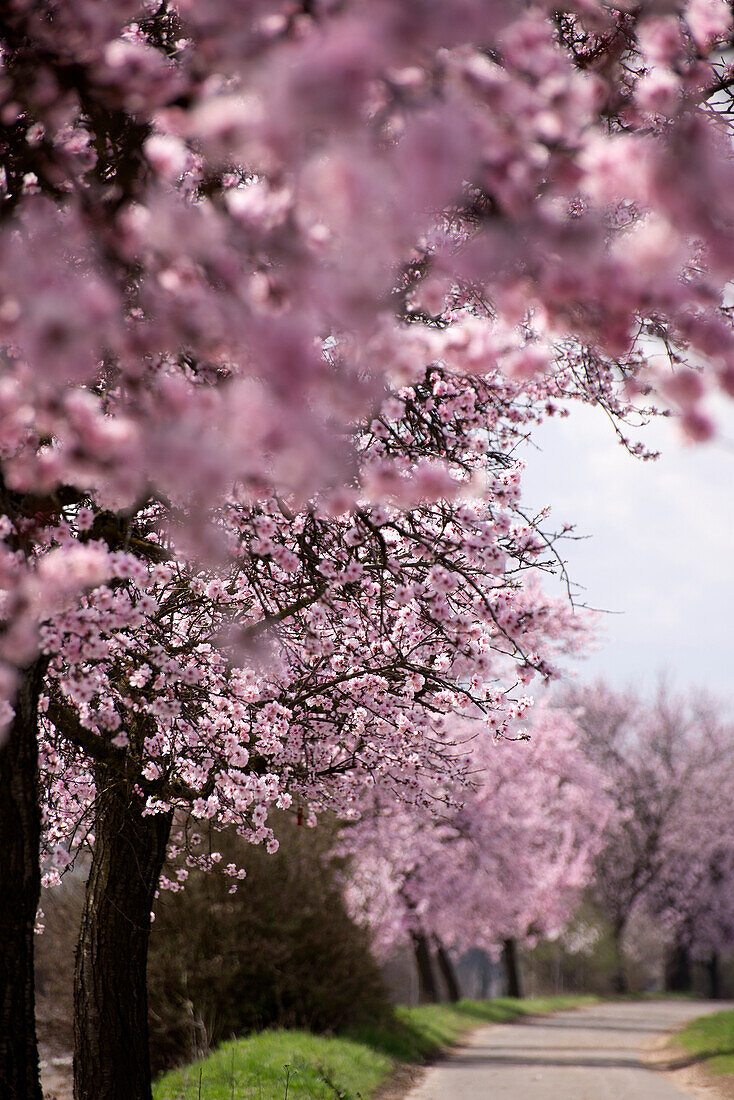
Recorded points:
(660, 551)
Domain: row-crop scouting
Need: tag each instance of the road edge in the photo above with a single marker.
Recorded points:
(665, 1057)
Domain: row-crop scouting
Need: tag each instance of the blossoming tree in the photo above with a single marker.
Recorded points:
(332, 652)
(506, 861)
(667, 848)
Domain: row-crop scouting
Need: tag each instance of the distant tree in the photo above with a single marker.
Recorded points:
(669, 845)
(694, 891)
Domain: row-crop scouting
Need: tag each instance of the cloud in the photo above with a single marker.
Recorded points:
(660, 548)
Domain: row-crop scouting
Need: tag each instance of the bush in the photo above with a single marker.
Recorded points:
(281, 951)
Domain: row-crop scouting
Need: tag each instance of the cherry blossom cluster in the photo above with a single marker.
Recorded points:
(332, 653)
(221, 189)
(274, 221)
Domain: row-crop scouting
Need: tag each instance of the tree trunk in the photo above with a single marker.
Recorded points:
(20, 890)
(448, 973)
(714, 977)
(427, 988)
(678, 970)
(619, 977)
(512, 968)
(111, 1050)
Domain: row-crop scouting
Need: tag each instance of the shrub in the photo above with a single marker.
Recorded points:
(280, 951)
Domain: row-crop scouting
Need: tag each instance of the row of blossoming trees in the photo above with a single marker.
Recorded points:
(668, 848)
(505, 863)
(283, 285)
(625, 801)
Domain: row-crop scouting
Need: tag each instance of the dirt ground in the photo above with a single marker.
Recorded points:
(56, 1072)
(691, 1078)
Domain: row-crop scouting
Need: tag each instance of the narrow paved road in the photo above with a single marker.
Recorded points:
(592, 1053)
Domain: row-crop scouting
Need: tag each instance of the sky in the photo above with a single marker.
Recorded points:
(659, 553)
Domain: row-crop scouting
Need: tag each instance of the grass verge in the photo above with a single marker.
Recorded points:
(295, 1065)
(711, 1040)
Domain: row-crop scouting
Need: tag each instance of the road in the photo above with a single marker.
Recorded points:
(591, 1053)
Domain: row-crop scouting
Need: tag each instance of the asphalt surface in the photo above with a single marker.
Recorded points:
(592, 1053)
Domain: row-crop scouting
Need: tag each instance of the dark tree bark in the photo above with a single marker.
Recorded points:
(620, 983)
(111, 1054)
(20, 889)
(447, 970)
(678, 970)
(427, 987)
(714, 973)
(484, 967)
(512, 968)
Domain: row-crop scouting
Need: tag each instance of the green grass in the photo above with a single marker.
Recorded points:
(259, 1066)
(347, 1067)
(711, 1040)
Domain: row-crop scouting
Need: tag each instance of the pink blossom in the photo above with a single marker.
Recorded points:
(168, 155)
(658, 91)
(660, 38)
(707, 20)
